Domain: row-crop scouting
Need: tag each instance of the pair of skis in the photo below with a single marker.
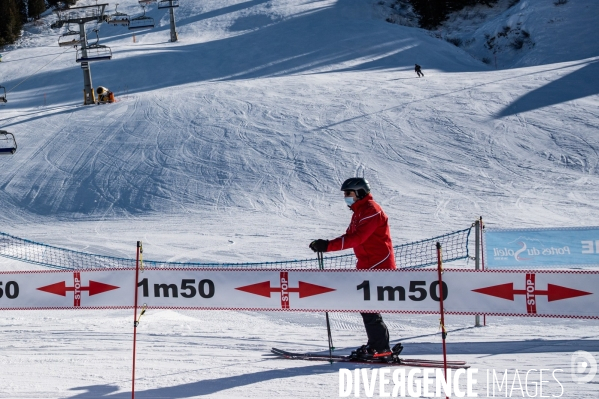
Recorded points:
(395, 361)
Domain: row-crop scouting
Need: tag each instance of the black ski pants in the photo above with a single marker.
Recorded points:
(376, 330)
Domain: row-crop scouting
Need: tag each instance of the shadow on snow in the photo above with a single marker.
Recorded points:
(206, 387)
(578, 84)
(322, 39)
(212, 386)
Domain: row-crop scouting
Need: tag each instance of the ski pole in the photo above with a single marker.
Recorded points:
(320, 257)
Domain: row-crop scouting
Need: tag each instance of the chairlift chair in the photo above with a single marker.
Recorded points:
(141, 22)
(8, 144)
(68, 39)
(95, 52)
(59, 23)
(118, 18)
(3, 94)
(168, 3)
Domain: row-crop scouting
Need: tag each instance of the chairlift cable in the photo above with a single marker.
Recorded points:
(37, 56)
(30, 75)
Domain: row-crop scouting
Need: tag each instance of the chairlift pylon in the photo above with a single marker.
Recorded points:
(94, 52)
(3, 94)
(146, 2)
(141, 22)
(168, 4)
(118, 18)
(8, 144)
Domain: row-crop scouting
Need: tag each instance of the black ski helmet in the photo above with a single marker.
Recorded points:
(357, 184)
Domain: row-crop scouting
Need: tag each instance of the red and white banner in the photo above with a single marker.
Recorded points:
(67, 289)
(514, 293)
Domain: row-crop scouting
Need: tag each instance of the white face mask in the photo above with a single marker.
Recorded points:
(349, 200)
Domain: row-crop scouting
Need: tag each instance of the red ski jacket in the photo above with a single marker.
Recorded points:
(368, 234)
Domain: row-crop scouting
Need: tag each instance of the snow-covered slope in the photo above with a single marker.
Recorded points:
(262, 109)
(231, 145)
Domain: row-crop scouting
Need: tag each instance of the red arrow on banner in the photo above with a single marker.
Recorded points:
(553, 292)
(94, 288)
(304, 289)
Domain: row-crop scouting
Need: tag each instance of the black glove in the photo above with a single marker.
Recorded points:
(319, 245)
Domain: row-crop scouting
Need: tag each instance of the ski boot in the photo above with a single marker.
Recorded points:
(366, 353)
(397, 348)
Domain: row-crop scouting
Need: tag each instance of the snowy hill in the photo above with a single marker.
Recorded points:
(262, 109)
(514, 33)
(231, 144)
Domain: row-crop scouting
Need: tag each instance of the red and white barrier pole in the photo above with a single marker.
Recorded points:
(443, 331)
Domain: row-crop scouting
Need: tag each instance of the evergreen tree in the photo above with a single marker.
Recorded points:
(56, 4)
(60, 4)
(433, 12)
(10, 23)
(36, 8)
(22, 9)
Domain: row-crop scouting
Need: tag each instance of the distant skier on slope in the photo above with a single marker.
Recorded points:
(418, 70)
(368, 234)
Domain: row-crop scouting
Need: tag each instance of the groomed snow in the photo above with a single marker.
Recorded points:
(230, 146)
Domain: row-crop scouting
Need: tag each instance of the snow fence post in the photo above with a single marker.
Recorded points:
(135, 318)
(477, 260)
(441, 293)
(482, 256)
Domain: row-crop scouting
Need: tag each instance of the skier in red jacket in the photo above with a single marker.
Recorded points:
(369, 236)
